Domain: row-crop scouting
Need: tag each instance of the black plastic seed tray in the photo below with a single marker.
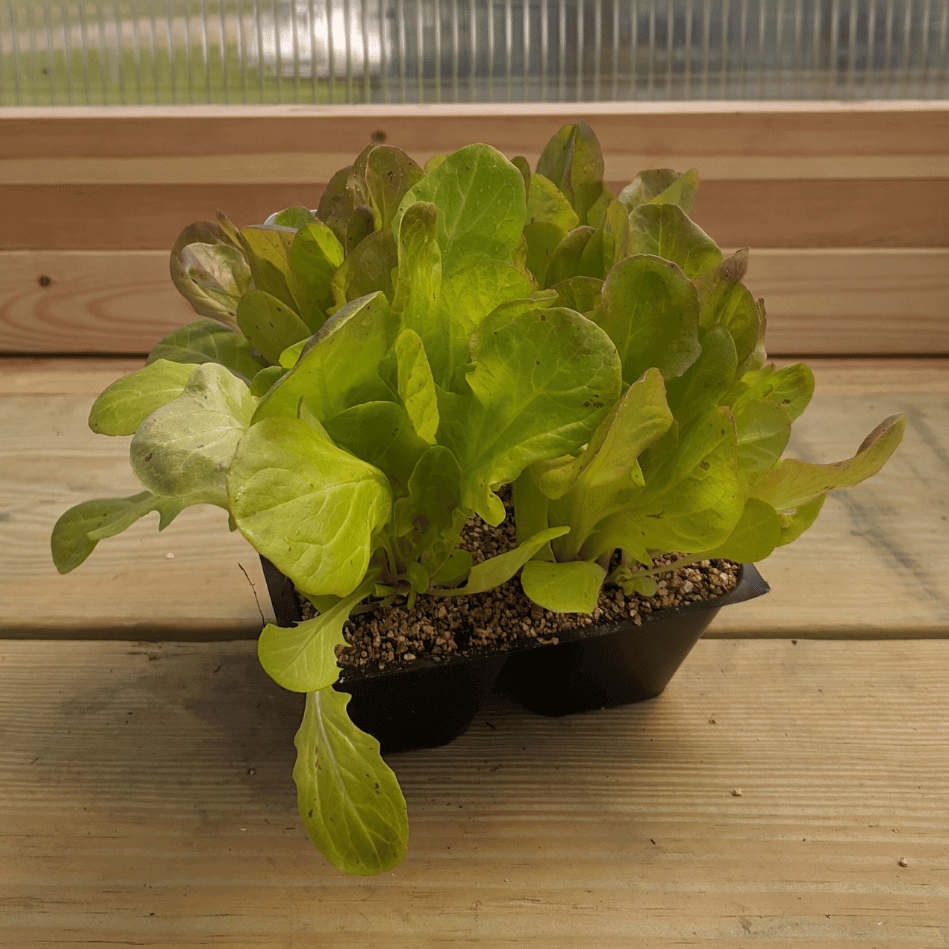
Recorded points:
(429, 702)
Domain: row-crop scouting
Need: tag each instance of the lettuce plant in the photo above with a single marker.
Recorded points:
(365, 377)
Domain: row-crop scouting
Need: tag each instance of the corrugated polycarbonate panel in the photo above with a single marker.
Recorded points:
(61, 52)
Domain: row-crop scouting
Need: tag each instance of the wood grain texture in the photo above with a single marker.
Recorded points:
(99, 302)
(147, 801)
(828, 175)
(902, 139)
(41, 375)
(855, 301)
(822, 302)
(44, 375)
(841, 212)
(872, 566)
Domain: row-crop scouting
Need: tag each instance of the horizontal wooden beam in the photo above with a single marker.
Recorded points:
(294, 167)
(88, 376)
(841, 212)
(818, 301)
(738, 140)
(774, 174)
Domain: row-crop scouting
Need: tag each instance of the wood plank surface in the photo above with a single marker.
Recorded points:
(65, 375)
(87, 302)
(819, 301)
(243, 144)
(829, 175)
(873, 565)
(841, 212)
(147, 800)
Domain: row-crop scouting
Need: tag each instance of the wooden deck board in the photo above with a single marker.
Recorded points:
(873, 565)
(826, 300)
(147, 801)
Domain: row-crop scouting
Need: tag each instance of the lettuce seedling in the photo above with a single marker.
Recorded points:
(688, 460)
(366, 377)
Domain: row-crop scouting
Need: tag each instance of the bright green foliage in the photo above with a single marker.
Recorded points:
(479, 197)
(130, 400)
(496, 570)
(315, 256)
(308, 506)
(348, 797)
(184, 449)
(77, 532)
(570, 586)
(542, 380)
(661, 186)
(666, 231)
(209, 341)
(417, 385)
(573, 161)
(339, 366)
(366, 377)
(650, 310)
(269, 325)
(303, 657)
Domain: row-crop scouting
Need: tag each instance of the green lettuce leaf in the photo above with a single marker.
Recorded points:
(309, 507)
(338, 202)
(314, 257)
(381, 434)
(650, 311)
(725, 302)
(691, 500)
(661, 186)
(790, 387)
(572, 160)
(465, 300)
(605, 477)
(583, 294)
(794, 523)
(339, 367)
(570, 587)
(387, 174)
(429, 516)
(183, 449)
(763, 430)
(367, 269)
(209, 341)
(569, 258)
(296, 217)
(546, 204)
(267, 250)
(417, 385)
(209, 269)
(79, 529)
(754, 537)
(302, 658)
(793, 484)
(542, 382)
(125, 404)
(499, 569)
(269, 324)
(348, 797)
(708, 380)
(481, 206)
(666, 231)
(420, 276)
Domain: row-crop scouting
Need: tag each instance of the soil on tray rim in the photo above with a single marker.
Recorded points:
(448, 627)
